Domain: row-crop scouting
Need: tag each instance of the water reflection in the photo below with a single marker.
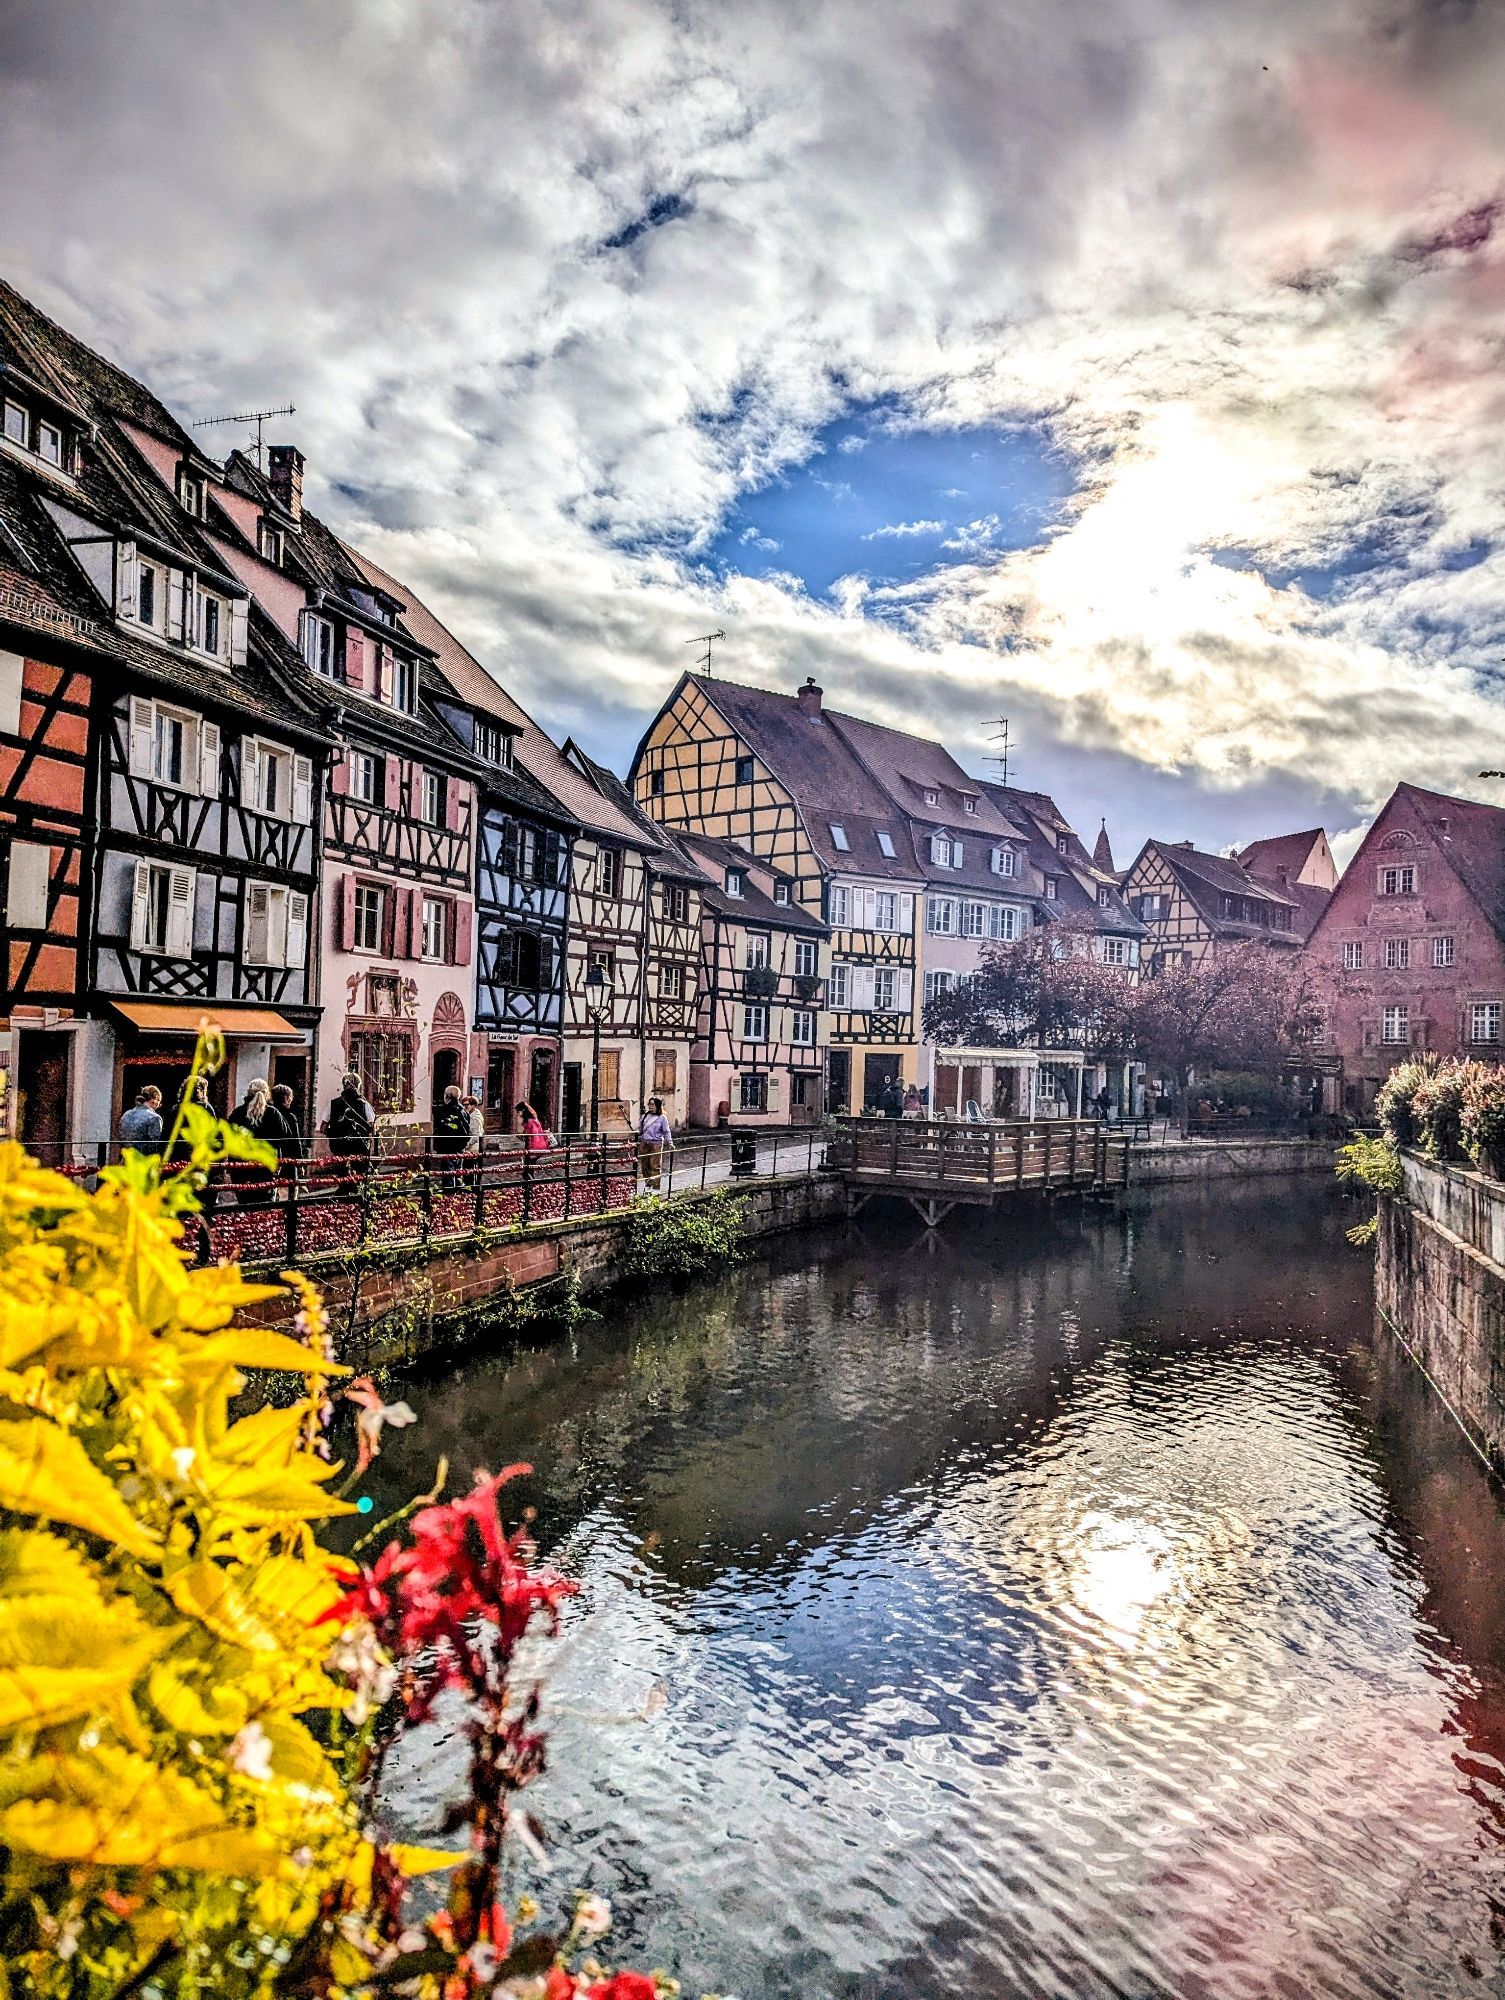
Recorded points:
(1097, 1612)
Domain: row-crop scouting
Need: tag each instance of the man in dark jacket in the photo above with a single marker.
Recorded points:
(351, 1121)
(451, 1129)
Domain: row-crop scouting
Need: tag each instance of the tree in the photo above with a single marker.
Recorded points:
(1044, 991)
(1249, 1007)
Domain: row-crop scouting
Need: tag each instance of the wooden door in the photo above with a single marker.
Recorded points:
(611, 1072)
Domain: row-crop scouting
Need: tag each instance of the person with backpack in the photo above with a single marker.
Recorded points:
(351, 1121)
(451, 1131)
(253, 1184)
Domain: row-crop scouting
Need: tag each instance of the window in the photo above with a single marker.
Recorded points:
(884, 987)
(384, 1064)
(757, 949)
(655, 784)
(169, 747)
(1003, 861)
(671, 982)
(269, 543)
(1003, 922)
(1395, 1024)
(276, 926)
(1398, 881)
(211, 623)
(190, 493)
(841, 985)
(491, 742)
(734, 882)
(744, 771)
(403, 686)
(753, 1094)
(605, 962)
(944, 851)
(26, 881)
(1116, 951)
(755, 1023)
(1442, 951)
(1150, 908)
(608, 871)
(1353, 955)
(885, 844)
(365, 777)
(839, 838)
(146, 595)
(525, 960)
(1063, 843)
(974, 920)
(1397, 954)
(162, 909)
(1484, 1021)
(370, 916)
(318, 645)
(50, 443)
(1104, 898)
(937, 983)
(676, 903)
(1052, 888)
(885, 910)
(436, 929)
(275, 782)
(802, 1028)
(665, 1071)
(931, 798)
(17, 423)
(969, 804)
(804, 958)
(940, 916)
(781, 894)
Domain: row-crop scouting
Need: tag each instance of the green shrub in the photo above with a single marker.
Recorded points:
(677, 1239)
(1483, 1116)
(1395, 1103)
(1371, 1163)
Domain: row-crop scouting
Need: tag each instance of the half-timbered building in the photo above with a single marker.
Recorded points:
(1300, 866)
(772, 773)
(1075, 888)
(204, 765)
(1194, 904)
(761, 1033)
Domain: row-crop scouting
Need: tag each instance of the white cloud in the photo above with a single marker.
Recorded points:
(905, 528)
(1227, 257)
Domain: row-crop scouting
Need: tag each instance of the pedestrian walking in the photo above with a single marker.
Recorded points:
(655, 1137)
(535, 1137)
(254, 1114)
(141, 1126)
(451, 1131)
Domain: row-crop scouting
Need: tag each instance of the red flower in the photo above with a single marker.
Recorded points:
(623, 1986)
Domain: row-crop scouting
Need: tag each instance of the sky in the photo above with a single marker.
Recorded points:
(1130, 369)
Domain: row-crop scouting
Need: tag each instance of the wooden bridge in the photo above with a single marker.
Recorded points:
(935, 1164)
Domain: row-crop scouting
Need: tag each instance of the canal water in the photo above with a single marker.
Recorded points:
(1082, 1607)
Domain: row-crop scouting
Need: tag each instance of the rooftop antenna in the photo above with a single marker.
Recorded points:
(706, 639)
(1000, 756)
(257, 417)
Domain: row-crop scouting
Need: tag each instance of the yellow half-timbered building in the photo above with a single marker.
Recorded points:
(1193, 905)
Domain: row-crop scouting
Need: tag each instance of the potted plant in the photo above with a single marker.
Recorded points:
(1483, 1118)
(760, 982)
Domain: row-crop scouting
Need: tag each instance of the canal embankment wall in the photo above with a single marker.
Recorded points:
(1227, 1159)
(1440, 1286)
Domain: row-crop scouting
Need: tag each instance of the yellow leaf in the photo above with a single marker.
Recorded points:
(205, 1591)
(34, 1563)
(296, 1758)
(260, 1347)
(46, 1472)
(196, 1706)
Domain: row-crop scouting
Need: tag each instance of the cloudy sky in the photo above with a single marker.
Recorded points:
(1128, 368)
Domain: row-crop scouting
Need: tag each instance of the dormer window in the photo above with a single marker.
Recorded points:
(1063, 843)
(211, 624)
(191, 494)
(318, 645)
(146, 595)
(839, 837)
(17, 424)
(781, 893)
(969, 805)
(734, 882)
(492, 744)
(1003, 862)
(403, 687)
(1052, 888)
(1105, 899)
(50, 443)
(944, 851)
(885, 844)
(932, 798)
(269, 543)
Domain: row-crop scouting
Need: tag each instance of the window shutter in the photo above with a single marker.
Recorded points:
(239, 631)
(400, 905)
(174, 608)
(126, 579)
(906, 915)
(250, 771)
(302, 807)
(258, 925)
(143, 720)
(381, 670)
(26, 886)
(180, 912)
(295, 953)
(141, 906)
(415, 791)
(454, 792)
(339, 775)
(355, 658)
(958, 854)
(460, 929)
(12, 674)
(345, 929)
(904, 988)
(393, 776)
(209, 775)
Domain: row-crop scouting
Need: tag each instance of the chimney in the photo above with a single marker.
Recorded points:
(286, 477)
(808, 698)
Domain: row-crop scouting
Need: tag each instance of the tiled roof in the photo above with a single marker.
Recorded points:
(1079, 878)
(1207, 878)
(661, 845)
(753, 906)
(1474, 844)
(1283, 850)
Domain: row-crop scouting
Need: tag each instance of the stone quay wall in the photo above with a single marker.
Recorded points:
(1440, 1286)
(1227, 1159)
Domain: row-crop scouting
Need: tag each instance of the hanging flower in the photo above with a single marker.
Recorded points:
(374, 1415)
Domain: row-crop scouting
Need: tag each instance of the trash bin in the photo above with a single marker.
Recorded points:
(744, 1153)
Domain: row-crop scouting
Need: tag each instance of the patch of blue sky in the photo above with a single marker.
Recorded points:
(877, 499)
(1392, 545)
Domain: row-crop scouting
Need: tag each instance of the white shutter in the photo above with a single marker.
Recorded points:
(958, 854)
(774, 1080)
(906, 915)
(862, 986)
(239, 631)
(301, 807)
(125, 579)
(295, 953)
(180, 913)
(258, 924)
(175, 627)
(12, 671)
(26, 886)
(869, 909)
(250, 772)
(904, 990)
(209, 777)
(141, 908)
(143, 730)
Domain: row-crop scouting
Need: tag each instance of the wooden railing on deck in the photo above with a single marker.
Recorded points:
(1014, 1153)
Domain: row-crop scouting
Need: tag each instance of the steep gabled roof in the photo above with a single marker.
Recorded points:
(1081, 881)
(1290, 851)
(1473, 841)
(754, 905)
(1102, 852)
(665, 857)
(1207, 878)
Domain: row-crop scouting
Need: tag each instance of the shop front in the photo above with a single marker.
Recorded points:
(152, 1042)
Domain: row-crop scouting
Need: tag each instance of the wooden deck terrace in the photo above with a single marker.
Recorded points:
(934, 1164)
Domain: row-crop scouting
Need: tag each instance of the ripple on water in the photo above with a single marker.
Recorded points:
(962, 1629)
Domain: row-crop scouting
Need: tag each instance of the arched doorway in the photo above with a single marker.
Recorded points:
(447, 1042)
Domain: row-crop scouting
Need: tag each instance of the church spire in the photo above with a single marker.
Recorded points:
(1102, 851)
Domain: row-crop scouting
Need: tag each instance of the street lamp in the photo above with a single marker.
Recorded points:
(597, 1000)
